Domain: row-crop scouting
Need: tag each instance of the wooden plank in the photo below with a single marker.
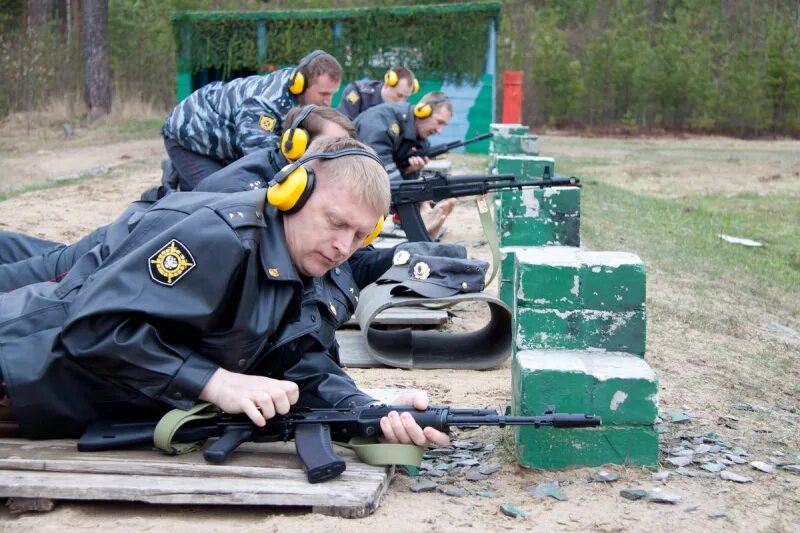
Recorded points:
(257, 474)
(412, 316)
(353, 350)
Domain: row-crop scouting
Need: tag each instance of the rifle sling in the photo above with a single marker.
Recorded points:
(375, 453)
(367, 449)
(490, 233)
(171, 422)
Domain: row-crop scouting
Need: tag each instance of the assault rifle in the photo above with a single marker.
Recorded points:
(439, 149)
(312, 430)
(407, 194)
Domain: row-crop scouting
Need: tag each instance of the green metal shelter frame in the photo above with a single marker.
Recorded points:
(450, 47)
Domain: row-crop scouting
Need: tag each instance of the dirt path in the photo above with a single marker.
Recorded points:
(703, 369)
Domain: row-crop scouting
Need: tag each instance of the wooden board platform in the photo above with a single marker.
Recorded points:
(257, 474)
(353, 351)
(410, 316)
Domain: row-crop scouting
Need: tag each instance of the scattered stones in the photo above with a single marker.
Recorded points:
(472, 475)
(679, 461)
(678, 417)
(660, 495)
(660, 476)
(423, 485)
(713, 467)
(691, 508)
(548, 488)
(739, 451)
(763, 467)
(791, 468)
(633, 494)
(741, 406)
(452, 491)
(434, 473)
(735, 459)
(717, 514)
(733, 476)
(513, 512)
(486, 494)
(488, 470)
(691, 472)
(604, 476)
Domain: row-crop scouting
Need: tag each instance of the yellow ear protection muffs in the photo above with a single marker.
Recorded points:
(425, 109)
(297, 81)
(290, 188)
(295, 140)
(391, 79)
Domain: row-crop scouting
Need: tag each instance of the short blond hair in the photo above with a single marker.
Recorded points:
(438, 99)
(364, 175)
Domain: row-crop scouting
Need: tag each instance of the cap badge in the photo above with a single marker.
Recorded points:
(401, 257)
(422, 270)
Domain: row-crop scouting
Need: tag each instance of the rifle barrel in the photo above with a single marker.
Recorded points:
(560, 420)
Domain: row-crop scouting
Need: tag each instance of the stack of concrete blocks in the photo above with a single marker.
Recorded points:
(579, 324)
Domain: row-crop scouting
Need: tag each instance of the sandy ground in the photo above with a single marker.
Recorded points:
(703, 368)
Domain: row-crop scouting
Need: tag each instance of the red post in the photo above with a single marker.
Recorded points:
(512, 97)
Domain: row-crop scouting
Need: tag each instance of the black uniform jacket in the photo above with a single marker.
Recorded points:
(389, 129)
(359, 96)
(142, 321)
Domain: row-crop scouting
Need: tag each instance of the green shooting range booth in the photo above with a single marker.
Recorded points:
(450, 48)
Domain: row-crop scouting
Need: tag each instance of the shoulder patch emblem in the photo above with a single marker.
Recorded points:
(170, 263)
(353, 97)
(267, 123)
(394, 129)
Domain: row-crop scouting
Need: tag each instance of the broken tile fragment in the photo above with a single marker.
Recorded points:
(660, 495)
(513, 512)
(548, 488)
(733, 476)
(423, 485)
(633, 494)
(767, 468)
(604, 476)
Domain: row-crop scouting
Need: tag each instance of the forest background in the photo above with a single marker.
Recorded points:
(620, 66)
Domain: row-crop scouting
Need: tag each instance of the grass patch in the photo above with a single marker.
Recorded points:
(18, 191)
(683, 235)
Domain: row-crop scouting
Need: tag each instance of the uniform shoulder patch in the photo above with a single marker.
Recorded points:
(267, 123)
(170, 263)
(353, 97)
(394, 128)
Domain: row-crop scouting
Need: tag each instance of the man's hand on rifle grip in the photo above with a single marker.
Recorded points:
(259, 397)
(405, 430)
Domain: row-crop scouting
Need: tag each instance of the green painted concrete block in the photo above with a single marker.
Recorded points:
(620, 388)
(538, 217)
(505, 274)
(548, 447)
(524, 167)
(616, 331)
(525, 144)
(565, 278)
(508, 129)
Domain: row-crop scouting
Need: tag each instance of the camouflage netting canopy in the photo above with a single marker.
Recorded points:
(437, 41)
